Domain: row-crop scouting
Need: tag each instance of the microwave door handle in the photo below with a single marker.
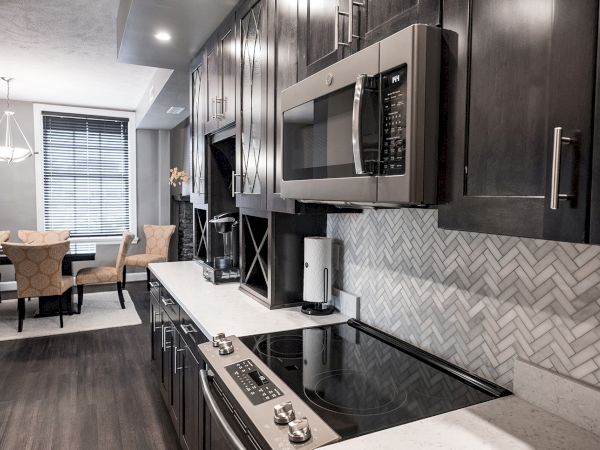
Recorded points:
(357, 124)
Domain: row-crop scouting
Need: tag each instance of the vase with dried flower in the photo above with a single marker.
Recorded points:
(180, 178)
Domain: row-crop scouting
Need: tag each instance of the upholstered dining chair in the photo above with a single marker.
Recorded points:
(105, 274)
(158, 238)
(43, 237)
(4, 236)
(38, 272)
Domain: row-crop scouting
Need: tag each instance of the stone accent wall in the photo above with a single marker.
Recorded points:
(185, 233)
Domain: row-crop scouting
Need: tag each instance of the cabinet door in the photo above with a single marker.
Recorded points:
(191, 423)
(282, 72)
(517, 71)
(198, 91)
(227, 71)
(213, 87)
(169, 334)
(374, 20)
(251, 139)
(156, 338)
(322, 34)
(177, 380)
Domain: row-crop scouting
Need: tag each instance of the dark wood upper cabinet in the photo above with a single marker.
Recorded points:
(198, 113)
(251, 140)
(220, 77)
(516, 71)
(594, 237)
(227, 50)
(322, 34)
(282, 62)
(213, 84)
(374, 20)
(329, 30)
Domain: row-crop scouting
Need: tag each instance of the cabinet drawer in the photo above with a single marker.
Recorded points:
(190, 332)
(169, 305)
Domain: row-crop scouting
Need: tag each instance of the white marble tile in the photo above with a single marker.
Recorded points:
(567, 398)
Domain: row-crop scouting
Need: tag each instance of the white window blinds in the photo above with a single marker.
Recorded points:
(85, 170)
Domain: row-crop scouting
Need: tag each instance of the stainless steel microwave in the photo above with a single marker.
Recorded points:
(364, 131)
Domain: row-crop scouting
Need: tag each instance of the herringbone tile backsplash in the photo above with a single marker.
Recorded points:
(476, 300)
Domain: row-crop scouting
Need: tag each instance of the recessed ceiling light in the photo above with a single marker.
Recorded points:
(162, 36)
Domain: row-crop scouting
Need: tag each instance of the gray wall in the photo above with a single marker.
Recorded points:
(476, 300)
(18, 196)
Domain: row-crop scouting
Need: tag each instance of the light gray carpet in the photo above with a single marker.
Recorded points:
(100, 310)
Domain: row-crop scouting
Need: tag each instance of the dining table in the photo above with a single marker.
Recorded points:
(48, 306)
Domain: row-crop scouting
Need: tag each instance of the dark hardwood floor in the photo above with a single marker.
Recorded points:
(89, 390)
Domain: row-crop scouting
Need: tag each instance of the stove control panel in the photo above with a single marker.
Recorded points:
(270, 412)
(257, 387)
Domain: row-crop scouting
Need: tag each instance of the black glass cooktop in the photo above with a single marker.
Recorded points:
(360, 380)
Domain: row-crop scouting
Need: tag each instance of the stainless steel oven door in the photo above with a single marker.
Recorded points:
(322, 116)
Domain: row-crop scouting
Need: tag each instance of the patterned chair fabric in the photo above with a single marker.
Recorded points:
(104, 274)
(158, 238)
(4, 235)
(38, 268)
(43, 237)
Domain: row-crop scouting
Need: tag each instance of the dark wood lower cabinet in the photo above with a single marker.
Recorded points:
(176, 364)
(192, 410)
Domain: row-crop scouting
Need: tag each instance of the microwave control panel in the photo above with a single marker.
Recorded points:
(393, 150)
(257, 387)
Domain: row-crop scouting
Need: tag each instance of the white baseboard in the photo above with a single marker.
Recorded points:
(8, 286)
(136, 276)
(12, 285)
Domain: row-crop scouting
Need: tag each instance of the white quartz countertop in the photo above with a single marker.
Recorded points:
(507, 423)
(224, 308)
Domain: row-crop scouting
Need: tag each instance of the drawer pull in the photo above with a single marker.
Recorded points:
(188, 329)
(167, 301)
(154, 284)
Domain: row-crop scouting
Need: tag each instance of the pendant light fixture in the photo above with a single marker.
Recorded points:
(14, 146)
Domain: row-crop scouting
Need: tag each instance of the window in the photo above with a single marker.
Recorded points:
(85, 178)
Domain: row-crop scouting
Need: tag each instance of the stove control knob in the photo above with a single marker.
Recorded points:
(299, 430)
(284, 413)
(225, 347)
(218, 338)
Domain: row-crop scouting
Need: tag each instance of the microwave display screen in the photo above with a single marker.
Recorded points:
(393, 93)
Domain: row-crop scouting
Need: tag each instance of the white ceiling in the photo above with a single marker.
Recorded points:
(65, 52)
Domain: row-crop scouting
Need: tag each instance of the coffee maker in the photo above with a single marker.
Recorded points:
(225, 267)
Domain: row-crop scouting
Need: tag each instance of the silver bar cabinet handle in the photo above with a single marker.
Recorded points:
(216, 411)
(188, 329)
(357, 124)
(167, 301)
(154, 320)
(234, 176)
(351, 5)
(350, 17)
(176, 350)
(336, 28)
(558, 141)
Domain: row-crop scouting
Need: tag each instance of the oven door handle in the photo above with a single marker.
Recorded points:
(216, 411)
(357, 150)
